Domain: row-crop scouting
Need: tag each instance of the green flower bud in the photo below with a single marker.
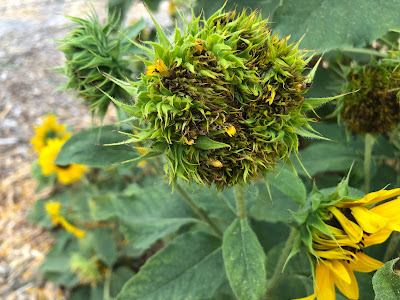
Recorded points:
(90, 50)
(224, 101)
(375, 108)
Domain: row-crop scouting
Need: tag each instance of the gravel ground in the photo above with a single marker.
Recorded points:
(27, 93)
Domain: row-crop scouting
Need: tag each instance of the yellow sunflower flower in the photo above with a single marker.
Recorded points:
(349, 225)
(53, 208)
(65, 174)
(49, 129)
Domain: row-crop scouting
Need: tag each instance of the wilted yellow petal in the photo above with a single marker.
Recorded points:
(335, 253)
(368, 220)
(189, 142)
(377, 238)
(365, 263)
(215, 163)
(151, 70)
(231, 130)
(338, 269)
(71, 228)
(349, 289)
(352, 229)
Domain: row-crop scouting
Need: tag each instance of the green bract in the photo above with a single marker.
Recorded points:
(224, 101)
(89, 50)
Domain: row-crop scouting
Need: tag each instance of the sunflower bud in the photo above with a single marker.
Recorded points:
(375, 108)
(222, 102)
(90, 51)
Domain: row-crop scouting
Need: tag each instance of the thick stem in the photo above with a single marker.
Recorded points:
(107, 282)
(198, 211)
(369, 143)
(394, 240)
(240, 202)
(281, 261)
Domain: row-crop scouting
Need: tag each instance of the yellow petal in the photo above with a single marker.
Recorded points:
(338, 269)
(324, 283)
(311, 297)
(350, 290)
(375, 197)
(215, 163)
(352, 229)
(365, 263)
(368, 220)
(335, 253)
(389, 210)
(189, 142)
(151, 70)
(231, 130)
(377, 238)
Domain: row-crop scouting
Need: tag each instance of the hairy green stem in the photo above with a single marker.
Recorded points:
(276, 276)
(107, 282)
(369, 143)
(391, 248)
(240, 202)
(363, 51)
(197, 210)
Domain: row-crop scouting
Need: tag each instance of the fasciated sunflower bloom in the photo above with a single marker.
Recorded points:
(50, 129)
(335, 229)
(65, 174)
(224, 100)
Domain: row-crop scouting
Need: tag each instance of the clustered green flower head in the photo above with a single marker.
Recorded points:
(91, 49)
(375, 107)
(224, 101)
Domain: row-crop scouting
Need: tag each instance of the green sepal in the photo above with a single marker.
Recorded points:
(205, 143)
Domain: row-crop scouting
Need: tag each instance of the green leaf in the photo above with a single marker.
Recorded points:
(244, 261)
(190, 267)
(276, 209)
(386, 281)
(86, 148)
(325, 156)
(338, 24)
(312, 103)
(205, 143)
(104, 245)
(118, 278)
(143, 232)
(287, 182)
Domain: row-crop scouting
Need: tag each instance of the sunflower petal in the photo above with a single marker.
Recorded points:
(389, 210)
(365, 263)
(338, 269)
(374, 197)
(324, 283)
(311, 297)
(377, 238)
(354, 231)
(368, 220)
(350, 290)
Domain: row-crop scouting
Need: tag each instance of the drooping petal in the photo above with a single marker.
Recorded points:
(311, 297)
(377, 238)
(374, 197)
(350, 290)
(389, 210)
(365, 263)
(368, 220)
(335, 253)
(352, 229)
(324, 283)
(338, 269)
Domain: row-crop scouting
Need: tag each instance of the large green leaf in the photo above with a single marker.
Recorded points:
(325, 156)
(386, 281)
(336, 24)
(244, 261)
(190, 267)
(86, 148)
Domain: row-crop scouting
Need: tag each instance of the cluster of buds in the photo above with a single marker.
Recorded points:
(224, 101)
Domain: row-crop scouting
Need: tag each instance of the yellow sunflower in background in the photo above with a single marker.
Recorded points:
(349, 225)
(65, 174)
(49, 129)
(53, 208)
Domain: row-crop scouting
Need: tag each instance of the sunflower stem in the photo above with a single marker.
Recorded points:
(276, 276)
(197, 210)
(240, 202)
(363, 51)
(369, 143)
(391, 248)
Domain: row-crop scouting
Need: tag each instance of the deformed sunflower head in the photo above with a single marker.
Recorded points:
(224, 101)
(375, 108)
